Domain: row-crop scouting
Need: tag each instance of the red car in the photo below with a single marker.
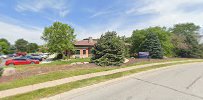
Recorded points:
(20, 61)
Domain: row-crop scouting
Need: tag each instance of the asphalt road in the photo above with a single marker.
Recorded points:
(183, 82)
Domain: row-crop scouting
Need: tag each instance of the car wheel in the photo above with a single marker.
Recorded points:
(11, 64)
(32, 63)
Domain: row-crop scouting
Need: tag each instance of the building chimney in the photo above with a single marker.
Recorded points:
(90, 40)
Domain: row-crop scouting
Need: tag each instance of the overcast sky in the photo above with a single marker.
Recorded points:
(27, 18)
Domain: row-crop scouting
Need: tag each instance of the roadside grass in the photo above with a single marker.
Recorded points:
(46, 92)
(49, 77)
(62, 74)
(164, 60)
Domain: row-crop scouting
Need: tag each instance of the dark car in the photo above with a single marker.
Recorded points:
(20, 61)
(12, 55)
(35, 54)
(32, 57)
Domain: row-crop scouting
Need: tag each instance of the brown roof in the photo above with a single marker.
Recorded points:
(85, 43)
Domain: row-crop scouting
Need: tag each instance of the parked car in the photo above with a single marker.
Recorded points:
(20, 61)
(35, 55)
(32, 57)
(21, 53)
(12, 55)
(3, 56)
(44, 55)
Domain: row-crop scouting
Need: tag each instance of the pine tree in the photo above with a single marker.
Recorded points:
(109, 50)
(153, 46)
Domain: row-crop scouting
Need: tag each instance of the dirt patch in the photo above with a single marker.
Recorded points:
(44, 70)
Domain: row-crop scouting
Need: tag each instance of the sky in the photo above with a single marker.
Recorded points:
(27, 18)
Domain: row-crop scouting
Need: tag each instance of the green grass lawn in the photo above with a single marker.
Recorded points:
(46, 92)
(59, 75)
(49, 77)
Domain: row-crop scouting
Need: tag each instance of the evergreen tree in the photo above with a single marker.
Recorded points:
(153, 46)
(109, 50)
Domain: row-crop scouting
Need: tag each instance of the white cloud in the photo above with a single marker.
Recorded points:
(169, 12)
(13, 32)
(59, 6)
(100, 13)
(165, 13)
(64, 13)
(96, 31)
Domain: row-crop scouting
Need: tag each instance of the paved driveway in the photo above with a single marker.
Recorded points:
(183, 82)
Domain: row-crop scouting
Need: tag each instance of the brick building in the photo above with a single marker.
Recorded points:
(84, 47)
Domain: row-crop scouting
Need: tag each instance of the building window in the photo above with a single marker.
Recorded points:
(77, 52)
(84, 51)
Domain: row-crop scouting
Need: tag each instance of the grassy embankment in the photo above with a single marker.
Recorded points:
(63, 74)
(41, 93)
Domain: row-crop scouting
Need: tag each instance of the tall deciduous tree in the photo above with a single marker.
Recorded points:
(12, 49)
(4, 46)
(163, 34)
(137, 38)
(43, 49)
(21, 45)
(59, 38)
(127, 43)
(32, 47)
(201, 48)
(187, 35)
(153, 46)
(109, 50)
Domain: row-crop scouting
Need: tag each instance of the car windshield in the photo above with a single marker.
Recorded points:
(29, 56)
(24, 57)
(20, 59)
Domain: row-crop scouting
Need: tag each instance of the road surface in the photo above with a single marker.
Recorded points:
(182, 82)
